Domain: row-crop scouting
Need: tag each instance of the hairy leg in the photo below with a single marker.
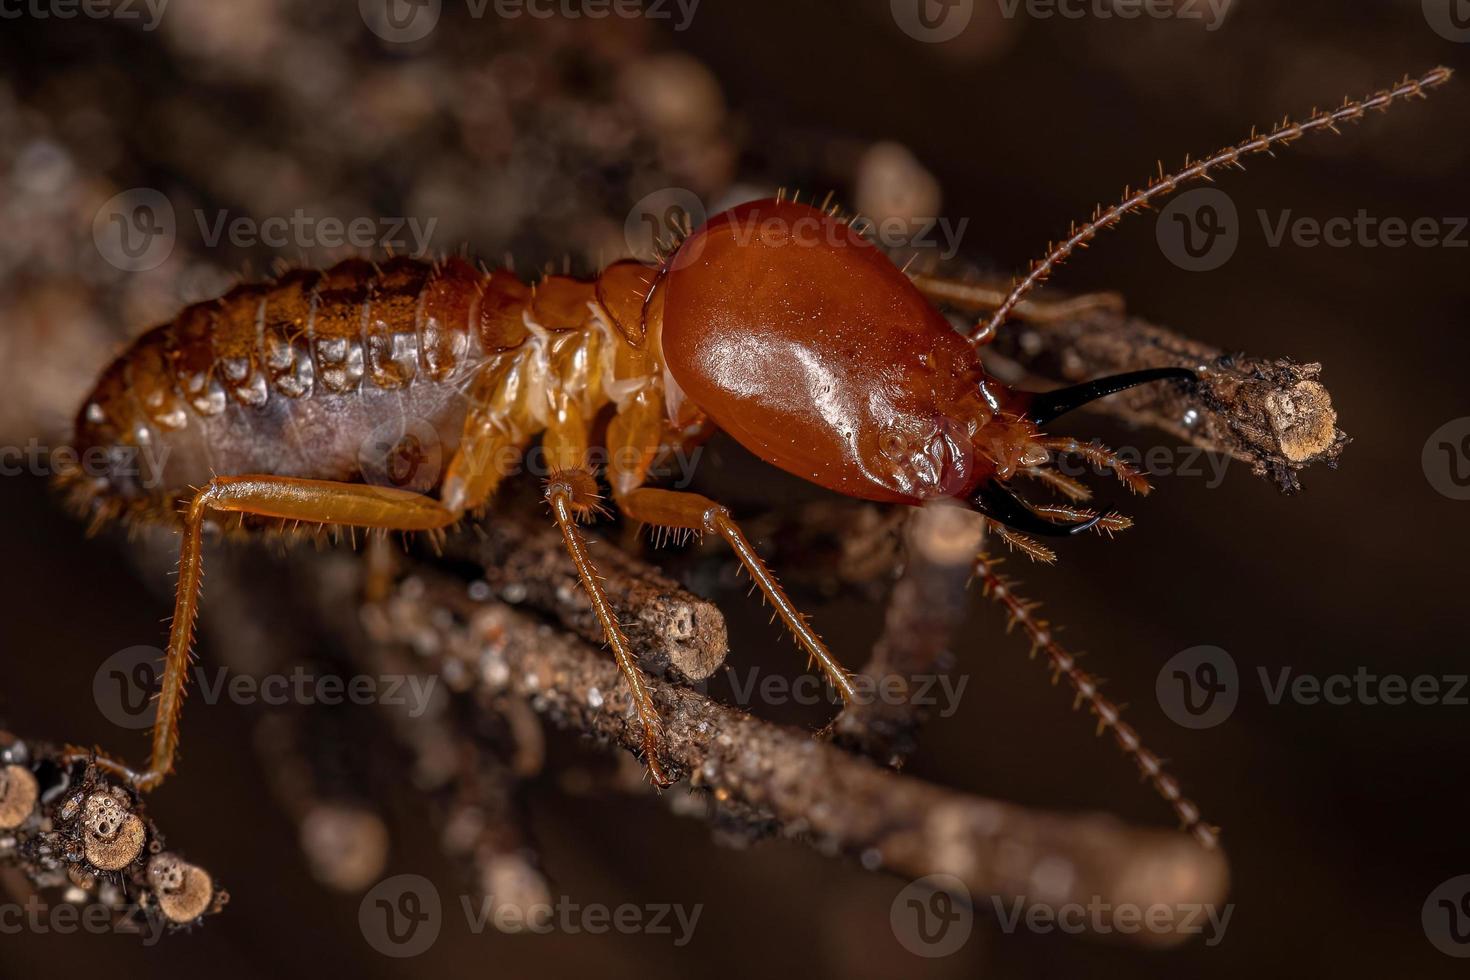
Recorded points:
(674, 509)
(286, 498)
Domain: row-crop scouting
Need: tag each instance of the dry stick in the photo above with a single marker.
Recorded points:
(1272, 414)
(929, 601)
(666, 626)
(773, 777)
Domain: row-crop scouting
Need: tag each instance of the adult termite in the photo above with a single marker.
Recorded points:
(776, 321)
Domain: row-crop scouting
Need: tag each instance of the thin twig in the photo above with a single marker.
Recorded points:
(1271, 413)
(776, 779)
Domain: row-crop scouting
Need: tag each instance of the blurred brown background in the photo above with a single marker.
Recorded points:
(536, 137)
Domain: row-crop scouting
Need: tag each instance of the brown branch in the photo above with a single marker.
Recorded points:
(769, 778)
(929, 601)
(67, 826)
(667, 627)
(1271, 413)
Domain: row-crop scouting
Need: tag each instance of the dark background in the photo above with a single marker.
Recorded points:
(1339, 820)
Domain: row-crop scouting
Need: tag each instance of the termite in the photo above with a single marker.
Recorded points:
(776, 322)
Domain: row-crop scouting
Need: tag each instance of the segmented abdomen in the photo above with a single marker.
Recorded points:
(291, 376)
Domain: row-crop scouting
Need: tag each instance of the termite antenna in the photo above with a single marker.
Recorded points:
(1064, 664)
(1284, 133)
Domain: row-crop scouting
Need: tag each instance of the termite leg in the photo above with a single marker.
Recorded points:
(677, 509)
(573, 493)
(1100, 456)
(977, 298)
(287, 498)
(1085, 686)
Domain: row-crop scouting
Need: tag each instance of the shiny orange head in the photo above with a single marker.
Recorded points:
(803, 341)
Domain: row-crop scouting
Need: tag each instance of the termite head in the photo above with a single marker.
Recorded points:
(804, 342)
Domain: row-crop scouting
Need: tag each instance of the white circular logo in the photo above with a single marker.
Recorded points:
(932, 21)
(402, 453)
(1446, 917)
(400, 21)
(1199, 230)
(1446, 459)
(1449, 18)
(124, 685)
(401, 916)
(1199, 687)
(933, 916)
(661, 220)
(135, 230)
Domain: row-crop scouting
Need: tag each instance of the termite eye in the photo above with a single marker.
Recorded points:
(1052, 404)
